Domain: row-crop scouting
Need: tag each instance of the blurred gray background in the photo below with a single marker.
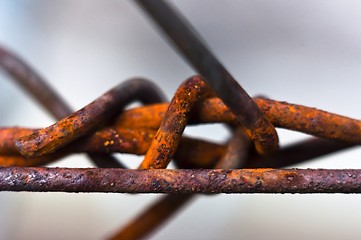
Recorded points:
(306, 52)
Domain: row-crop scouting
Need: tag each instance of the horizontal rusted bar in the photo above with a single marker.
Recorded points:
(294, 117)
(284, 115)
(180, 181)
(106, 140)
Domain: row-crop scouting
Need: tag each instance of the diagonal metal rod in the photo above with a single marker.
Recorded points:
(43, 93)
(226, 87)
(88, 118)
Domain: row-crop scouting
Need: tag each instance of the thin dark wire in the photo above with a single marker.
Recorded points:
(226, 87)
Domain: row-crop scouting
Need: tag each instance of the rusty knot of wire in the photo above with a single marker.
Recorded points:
(248, 162)
(156, 131)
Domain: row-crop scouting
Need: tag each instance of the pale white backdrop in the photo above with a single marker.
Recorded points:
(306, 52)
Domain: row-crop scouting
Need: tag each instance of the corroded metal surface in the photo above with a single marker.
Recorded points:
(235, 155)
(180, 181)
(282, 114)
(156, 131)
(98, 112)
(134, 130)
(167, 138)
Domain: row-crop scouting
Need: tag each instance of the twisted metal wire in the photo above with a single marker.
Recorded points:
(156, 131)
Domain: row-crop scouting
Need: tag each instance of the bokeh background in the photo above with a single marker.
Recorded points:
(306, 52)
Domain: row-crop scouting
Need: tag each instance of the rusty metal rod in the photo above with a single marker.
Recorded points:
(138, 117)
(180, 181)
(86, 119)
(317, 147)
(182, 34)
(33, 83)
(37, 87)
(284, 115)
(153, 217)
(160, 153)
(237, 150)
(297, 153)
(168, 136)
(106, 140)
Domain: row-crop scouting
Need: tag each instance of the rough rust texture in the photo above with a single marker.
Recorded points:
(342, 128)
(167, 138)
(312, 121)
(41, 92)
(104, 141)
(180, 181)
(86, 119)
(284, 115)
(133, 133)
